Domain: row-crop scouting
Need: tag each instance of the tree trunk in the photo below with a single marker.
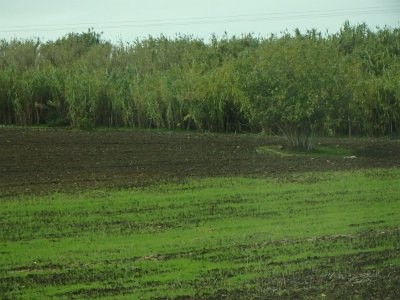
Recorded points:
(349, 124)
(299, 137)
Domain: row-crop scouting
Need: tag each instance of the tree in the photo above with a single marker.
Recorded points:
(292, 86)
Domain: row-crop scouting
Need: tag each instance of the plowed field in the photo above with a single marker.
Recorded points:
(37, 160)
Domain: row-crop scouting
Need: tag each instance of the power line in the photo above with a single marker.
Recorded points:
(209, 20)
(276, 14)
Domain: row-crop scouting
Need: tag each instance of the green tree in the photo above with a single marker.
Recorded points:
(292, 86)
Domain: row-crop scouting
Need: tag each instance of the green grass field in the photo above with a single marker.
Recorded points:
(319, 235)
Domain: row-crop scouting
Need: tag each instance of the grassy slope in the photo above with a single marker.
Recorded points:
(314, 235)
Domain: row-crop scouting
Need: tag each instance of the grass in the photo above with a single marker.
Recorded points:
(319, 151)
(319, 235)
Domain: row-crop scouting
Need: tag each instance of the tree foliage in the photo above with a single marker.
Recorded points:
(298, 84)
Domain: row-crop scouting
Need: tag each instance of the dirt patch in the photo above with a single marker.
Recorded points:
(38, 160)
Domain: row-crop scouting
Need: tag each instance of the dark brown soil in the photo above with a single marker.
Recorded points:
(41, 160)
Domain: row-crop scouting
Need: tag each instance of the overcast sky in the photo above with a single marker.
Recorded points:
(127, 20)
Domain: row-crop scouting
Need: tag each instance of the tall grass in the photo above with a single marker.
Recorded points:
(84, 81)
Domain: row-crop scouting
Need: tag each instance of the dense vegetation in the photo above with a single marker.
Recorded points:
(300, 84)
(312, 236)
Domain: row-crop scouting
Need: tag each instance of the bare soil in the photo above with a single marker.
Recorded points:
(34, 160)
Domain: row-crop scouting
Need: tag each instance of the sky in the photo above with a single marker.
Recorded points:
(124, 20)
